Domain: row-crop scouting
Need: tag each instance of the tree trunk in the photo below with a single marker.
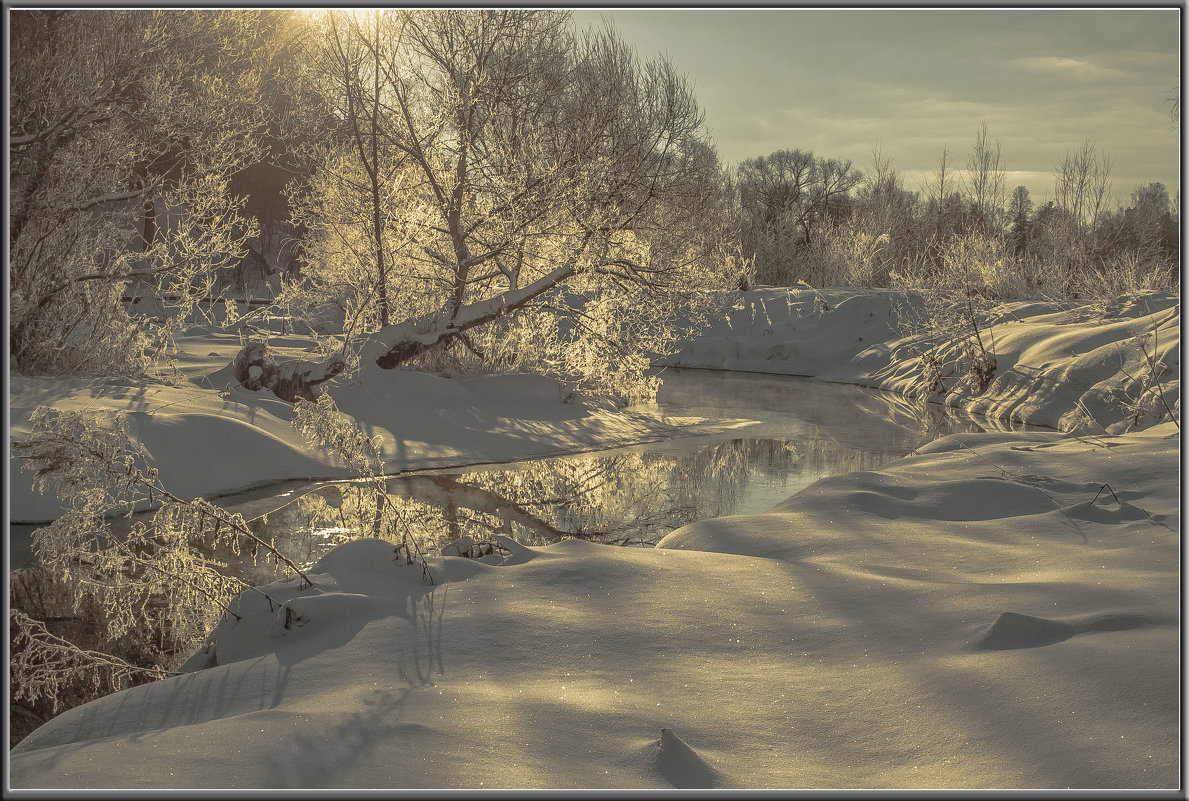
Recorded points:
(255, 369)
(392, 345)
(150, 225)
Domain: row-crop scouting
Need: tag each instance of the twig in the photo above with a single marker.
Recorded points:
(1155, 379)
(223, 518)
(183, 580)
(36, 631)
(1113, 495)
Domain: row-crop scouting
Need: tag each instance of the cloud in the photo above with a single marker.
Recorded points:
(1059, 65)
(837, 82)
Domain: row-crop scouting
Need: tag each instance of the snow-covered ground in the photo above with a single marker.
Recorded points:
(1071, 367)
(984, 613)
(207, 435)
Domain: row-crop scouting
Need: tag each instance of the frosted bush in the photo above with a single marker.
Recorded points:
(154, 580)
(323, 424)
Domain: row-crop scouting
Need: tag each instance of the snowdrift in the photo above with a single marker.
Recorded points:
(998, 610)
(966, 618)
(1073, 367)
(211, 441)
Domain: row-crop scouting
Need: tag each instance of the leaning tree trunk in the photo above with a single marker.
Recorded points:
(389, 347)
(395, 344)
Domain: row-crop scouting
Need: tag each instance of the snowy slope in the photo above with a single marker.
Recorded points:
(992, 629)
(996, 611)
(207, 441)
(1070, 368)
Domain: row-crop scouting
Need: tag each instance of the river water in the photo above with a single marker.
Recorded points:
(804, 430)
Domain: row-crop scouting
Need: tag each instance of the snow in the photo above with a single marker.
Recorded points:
(208, 436)
(1064, 367)
(981, 614)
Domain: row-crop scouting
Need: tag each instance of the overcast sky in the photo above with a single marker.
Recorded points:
(838, 81)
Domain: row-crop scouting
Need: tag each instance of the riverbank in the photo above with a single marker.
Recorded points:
(999, 610)
(208, 441)
(1076, 367)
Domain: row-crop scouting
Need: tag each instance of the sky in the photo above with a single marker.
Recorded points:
(840, 82)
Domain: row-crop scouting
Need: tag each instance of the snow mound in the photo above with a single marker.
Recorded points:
(680, 765)
(358, 582)
(203, 442)
(1014, 630)
(209, 442)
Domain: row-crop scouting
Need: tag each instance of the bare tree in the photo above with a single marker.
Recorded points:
(1083, 181)
(353, 175)
(776, 186)
(883, 176)
(786, 196)
(835, 179)
(535, 158)
(935, 187)
(985, 178)
(882, 229)
(125, 127)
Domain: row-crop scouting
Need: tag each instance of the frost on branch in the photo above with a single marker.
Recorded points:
(533, 200)
(323, 424)
(126, 127)
(45, 666)
(156, 581)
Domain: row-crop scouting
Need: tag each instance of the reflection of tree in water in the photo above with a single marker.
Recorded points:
(628, 498)
(632, 497)
(819, 456)
(307, 528)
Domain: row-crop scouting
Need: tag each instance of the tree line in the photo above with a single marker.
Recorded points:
(822, 221)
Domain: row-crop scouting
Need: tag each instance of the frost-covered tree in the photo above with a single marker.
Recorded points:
(125, 127)
(153, 586)
(985, 179)
(1083, 184)
(346, 207)
(1149, 225)
(787, 197)
(510, 168)
(884, 231)
(351, 207)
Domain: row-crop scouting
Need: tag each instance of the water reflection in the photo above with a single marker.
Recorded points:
(804, 431)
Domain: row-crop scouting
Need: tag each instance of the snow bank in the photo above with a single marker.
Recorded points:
(212, 441)
(1077, 368)
(997, 611)
(964, 618)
